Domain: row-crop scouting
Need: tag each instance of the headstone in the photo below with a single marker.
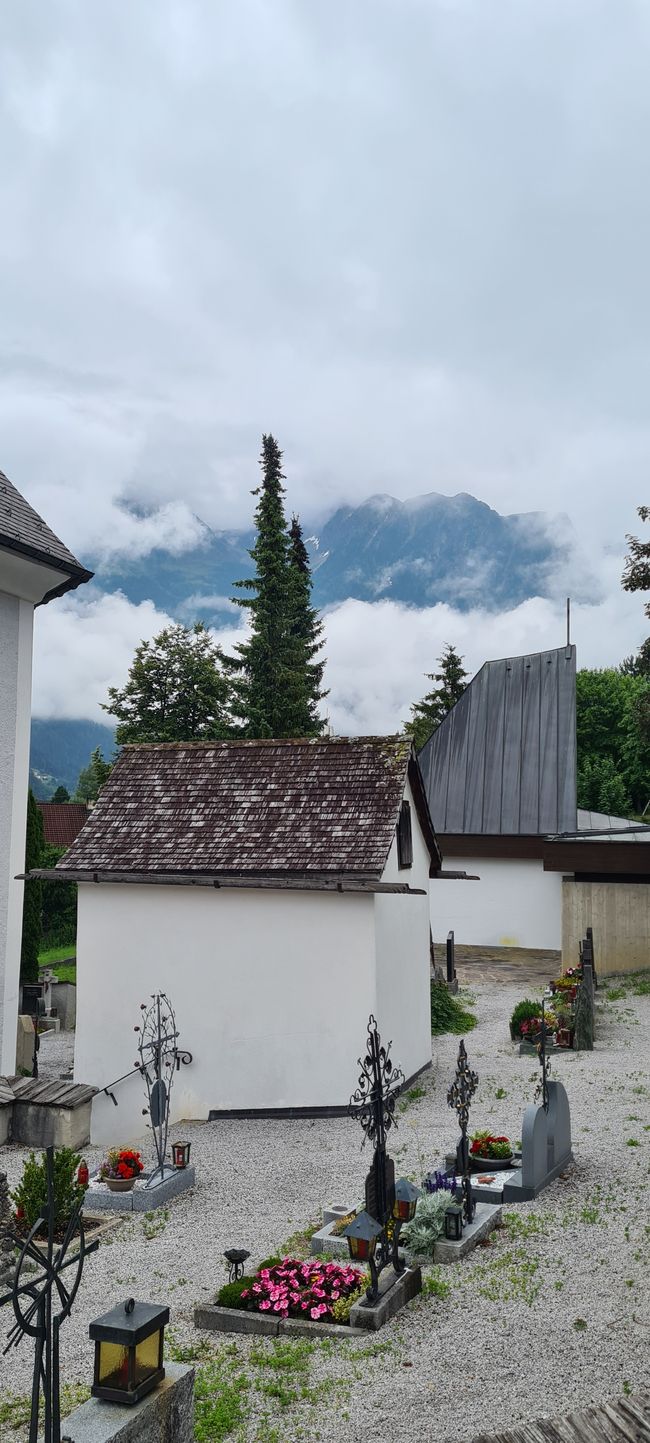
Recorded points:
(545, 1146)
(583, 1036)
(25, 1046)
(452, 980)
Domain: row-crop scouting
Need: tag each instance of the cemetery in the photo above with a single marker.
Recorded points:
(565, 1261)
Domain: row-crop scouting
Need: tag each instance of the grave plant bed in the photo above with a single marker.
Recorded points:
(94, 1226)
(295, 1296)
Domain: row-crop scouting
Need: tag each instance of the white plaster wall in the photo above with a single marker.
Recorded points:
(515, 904)
(272, 992)
(403, 959)
(16, 629)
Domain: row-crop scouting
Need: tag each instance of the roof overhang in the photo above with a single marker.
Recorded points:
(421, 802)
(569, 853)
(279, 882)
(35, 576)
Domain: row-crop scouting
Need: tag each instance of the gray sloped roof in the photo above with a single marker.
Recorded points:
(23, 530)
(503, 761)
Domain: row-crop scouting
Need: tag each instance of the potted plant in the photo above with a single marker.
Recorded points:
(120, 1168)
(489, 1152)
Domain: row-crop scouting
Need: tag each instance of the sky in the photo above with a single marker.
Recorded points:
(410, 237)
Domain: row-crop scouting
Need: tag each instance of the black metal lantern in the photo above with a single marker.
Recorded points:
(181, 1154)
(128, 1351)
(235, 1258)
(406, 1200)
(362, 1234)
(454, 1222)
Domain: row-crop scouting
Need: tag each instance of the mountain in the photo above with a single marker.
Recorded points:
(429, 549)
(59, 749)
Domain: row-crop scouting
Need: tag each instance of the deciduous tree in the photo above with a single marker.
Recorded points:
(176, 690)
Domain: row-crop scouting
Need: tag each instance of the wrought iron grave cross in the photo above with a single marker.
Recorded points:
(459, 1096)
(373, 1104)
(542, 1087)
(42, 1302)
(159, 1058)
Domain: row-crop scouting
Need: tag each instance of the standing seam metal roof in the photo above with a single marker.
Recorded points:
(503, 761)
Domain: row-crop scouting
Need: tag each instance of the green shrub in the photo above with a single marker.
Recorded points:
(524, 1012)
(447, 1013)
(30, 1196)
(229, 1296)
(342, 1307)
(272, 1262)
(428, 1224)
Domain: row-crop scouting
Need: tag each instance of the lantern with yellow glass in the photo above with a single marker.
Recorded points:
(128, 1351)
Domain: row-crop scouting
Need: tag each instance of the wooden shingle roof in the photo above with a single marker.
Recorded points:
(252, 808)
(24, 531)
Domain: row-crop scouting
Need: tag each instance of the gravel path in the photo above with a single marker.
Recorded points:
(552, 1316)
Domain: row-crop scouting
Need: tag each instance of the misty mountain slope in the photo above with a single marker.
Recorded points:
(429, 549)
(60, 748)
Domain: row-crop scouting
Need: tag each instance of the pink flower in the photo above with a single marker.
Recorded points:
(315, 1313)
(264, 1306)
(246, 1293)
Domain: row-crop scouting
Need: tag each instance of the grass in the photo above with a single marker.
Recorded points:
(297, 1244)
(635, 983)
(448, 1013)
(15, 1408)
(49, 955)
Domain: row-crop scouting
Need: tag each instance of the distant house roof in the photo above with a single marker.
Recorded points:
(62, 821)
(249, 809)
(24, 531)
(503, 761)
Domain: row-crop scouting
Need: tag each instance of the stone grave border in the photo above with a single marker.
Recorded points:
(142, 1199)
(394, 1293)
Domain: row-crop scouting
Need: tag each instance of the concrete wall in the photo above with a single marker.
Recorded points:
(515, 904)
(272, 992)
(16, 625)
(619, 913)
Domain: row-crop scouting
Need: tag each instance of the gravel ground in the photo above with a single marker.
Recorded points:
(554, 1315)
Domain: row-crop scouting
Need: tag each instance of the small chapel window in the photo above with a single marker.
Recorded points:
(404, 837)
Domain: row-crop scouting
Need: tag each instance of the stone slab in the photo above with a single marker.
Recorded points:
(324, 1241)
(64, 1000)
(5, 1122)
(486, 1218)
(25, 1045)
(516, 1191)
(164, 1416)
(394, 1293)
(492, 1192)
(141, 1199)
(334, 1211)
(234, 1320)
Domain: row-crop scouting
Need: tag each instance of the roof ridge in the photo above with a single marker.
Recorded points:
(204, 745)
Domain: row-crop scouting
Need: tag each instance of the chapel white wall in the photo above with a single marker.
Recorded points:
(515, 904)
(271, 990)
(403, 956)
(16, 630)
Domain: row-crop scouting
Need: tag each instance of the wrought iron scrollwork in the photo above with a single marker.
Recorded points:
(373, 1105)
(159, 1058)
(459, 1097)
(35, 1297)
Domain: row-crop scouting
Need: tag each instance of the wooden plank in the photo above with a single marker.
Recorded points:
(627, 1420)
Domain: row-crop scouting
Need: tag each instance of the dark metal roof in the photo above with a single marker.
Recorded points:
(503, 761)
(326, 807)
(24, 531)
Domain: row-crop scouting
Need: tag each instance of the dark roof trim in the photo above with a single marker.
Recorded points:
(558, 854)
(267, 882)
(75, 575)
(424, 815)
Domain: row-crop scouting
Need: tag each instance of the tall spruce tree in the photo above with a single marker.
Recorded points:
(33, 896)
(427, 714)
(305, 633)
(276, 682)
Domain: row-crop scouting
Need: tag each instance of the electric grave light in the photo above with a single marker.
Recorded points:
(454, 1222)
(406, 1198)
(181, 1154)
(362, 1234)
(128, 1351)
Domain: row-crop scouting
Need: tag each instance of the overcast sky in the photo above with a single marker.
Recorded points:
(410, 237)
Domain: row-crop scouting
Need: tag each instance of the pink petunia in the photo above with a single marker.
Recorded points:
(264, 1306)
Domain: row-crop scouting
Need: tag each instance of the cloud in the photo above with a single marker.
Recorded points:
(377, 653)
(407, 237)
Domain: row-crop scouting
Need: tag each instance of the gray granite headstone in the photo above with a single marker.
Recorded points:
(545, 1146)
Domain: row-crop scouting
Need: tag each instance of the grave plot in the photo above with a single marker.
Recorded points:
(567, 1010)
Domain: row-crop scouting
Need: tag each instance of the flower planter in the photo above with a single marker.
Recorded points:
(119, 1184)
(491, 1164)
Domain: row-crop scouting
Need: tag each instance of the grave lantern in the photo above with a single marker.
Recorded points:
(362, 1234)
(406, 1198)
(454, 1222)
(181, 1154)
(128, 1351)
(235, 1258)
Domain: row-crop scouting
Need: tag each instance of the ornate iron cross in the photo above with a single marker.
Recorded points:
(33, 1298)
(373, 1105)
(159, 1058)
(541, 1091)
(459, 1097)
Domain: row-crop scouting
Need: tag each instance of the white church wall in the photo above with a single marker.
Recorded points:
(515, 904)
(16, 628)
(403, 957)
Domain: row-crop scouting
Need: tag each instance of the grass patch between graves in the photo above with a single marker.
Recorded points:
(448, 1013)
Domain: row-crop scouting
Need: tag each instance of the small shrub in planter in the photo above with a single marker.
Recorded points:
(229, 1296)
(30, 1197)
(524, 1012)
(487, 1145)
(301, 1289)
(420, 1235)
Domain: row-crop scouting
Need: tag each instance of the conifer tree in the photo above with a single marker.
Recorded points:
(91, 778)
(33, 895)
(61, 795)
(276, 682)
(428, 713)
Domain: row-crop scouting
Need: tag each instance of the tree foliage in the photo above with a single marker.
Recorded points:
(32, 900)
(61, 795)
(176, 690)
(613, 729)
(91, 778)
(276, 677)
(427, 714)
(59, 912)
(636, 576)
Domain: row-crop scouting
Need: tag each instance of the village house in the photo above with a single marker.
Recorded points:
(501, 779)
(277, 891)
(62, 821)
(35, 567)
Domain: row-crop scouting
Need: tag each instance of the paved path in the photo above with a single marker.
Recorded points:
(503, 964)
